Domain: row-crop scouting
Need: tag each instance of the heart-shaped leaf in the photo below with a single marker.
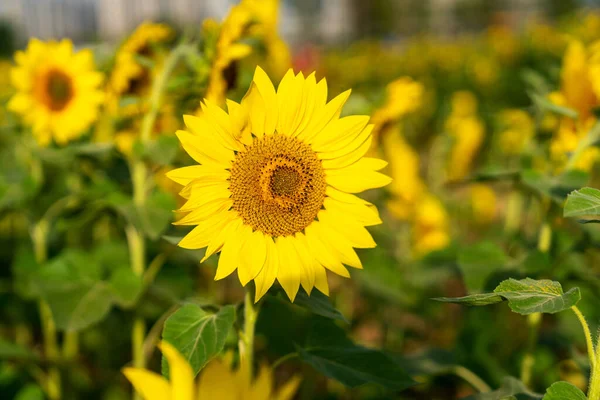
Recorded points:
(564, 391)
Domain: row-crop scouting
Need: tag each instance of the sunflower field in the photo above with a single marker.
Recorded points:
(212, 213)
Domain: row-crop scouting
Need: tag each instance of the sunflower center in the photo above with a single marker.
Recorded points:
(57, 90)
(277, 185)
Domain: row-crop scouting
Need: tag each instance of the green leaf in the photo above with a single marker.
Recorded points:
(156, 214)
(355, 365)
(585, 201)
(525, 296)
(511, 388)
(30, 392)
(564, 391)
(163, 150)
(554, 187)
(319, 304)
(126, 287)
(478, 262)
(197, 335)
(9, 350)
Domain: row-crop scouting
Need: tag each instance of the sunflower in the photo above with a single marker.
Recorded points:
(274, 189)
(217, 381)
(56, 90)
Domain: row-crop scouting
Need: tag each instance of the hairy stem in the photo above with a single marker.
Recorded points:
(471, 378)
(39, 237)
(246, 340)
(533, 321)
(588, 337)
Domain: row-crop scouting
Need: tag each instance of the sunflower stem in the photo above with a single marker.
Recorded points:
(39, 235)
(470, 377)
(246, 341)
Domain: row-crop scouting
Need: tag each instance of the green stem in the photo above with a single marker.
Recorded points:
(139, 174)
(471, 378)
(588, 337)
(70, 345)
(283, 359)
(533, 321)
(39, 237)
(246, 341)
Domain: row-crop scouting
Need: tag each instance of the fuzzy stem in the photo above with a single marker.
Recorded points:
(533, 321)
(246, 341)
(471, 378)
(39, 237)
(588, 337)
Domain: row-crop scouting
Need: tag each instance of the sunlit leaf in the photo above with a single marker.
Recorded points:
(585, 201)
(564, 391)
(198, 335)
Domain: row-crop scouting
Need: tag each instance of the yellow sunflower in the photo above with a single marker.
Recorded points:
(274, 189)
(56, 90)
(217, 381)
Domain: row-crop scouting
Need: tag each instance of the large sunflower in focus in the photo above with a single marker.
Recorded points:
(274, 189)
(57, 90)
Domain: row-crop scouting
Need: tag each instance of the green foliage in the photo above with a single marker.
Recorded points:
(511, 389)
(564, 391)
(582, 202)
(480, 261)
(526, 296)
(198, 335)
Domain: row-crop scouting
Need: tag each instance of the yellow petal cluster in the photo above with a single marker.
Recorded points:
(275, 189)
(57, 90)
(218, 380)
(467, 132)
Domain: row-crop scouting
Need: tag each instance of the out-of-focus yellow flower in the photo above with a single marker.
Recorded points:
(128, 74)
(566, 140)
(483, 203)
(57, 90)
(503, 42)
(430, 227)
(217, 381)
(404, 95)
(517, 130)
(484, 70)
(406, 186)
(463, 104)
(545, 38)
(576, 84)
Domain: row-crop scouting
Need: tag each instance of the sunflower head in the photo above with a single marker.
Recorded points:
(56, 90)
(274, 191)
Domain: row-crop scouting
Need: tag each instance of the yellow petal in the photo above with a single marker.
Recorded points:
(185, 175)
(325, 256)
(205, 151)
(289, 389)
(150, 385)
(358, 181)
(339, 133)
(182, 376)
(252, 257)
(321, 279)
(343, 196)
(257, 110)
(365, 213)
(205, 194)
(330, 112)
(364, 164)
(306, 260)
(348, 145)
(354, 232)
(262, 385)
(265, 279)
(216, 382)
(339, 243)
(289, 273)
(230, 254)
(204, 211)
(351, 157)
(287, 103)
(232, 223)
(202, 234)
(240, 121)
(318, 103)
(214, 122)
(269, 96)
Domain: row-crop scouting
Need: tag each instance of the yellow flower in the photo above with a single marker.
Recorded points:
(576, 85)
(56, 90)
(518, 129)
(407, 186)
(468, 135)
(483, 203)
(217, 381)
(430, 227)
(404, 95)
(128, 73)
(269, 169)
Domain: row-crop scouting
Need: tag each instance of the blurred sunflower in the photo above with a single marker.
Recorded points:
(128, 73)
(56, 90)
(217, 381)
(268, 169)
